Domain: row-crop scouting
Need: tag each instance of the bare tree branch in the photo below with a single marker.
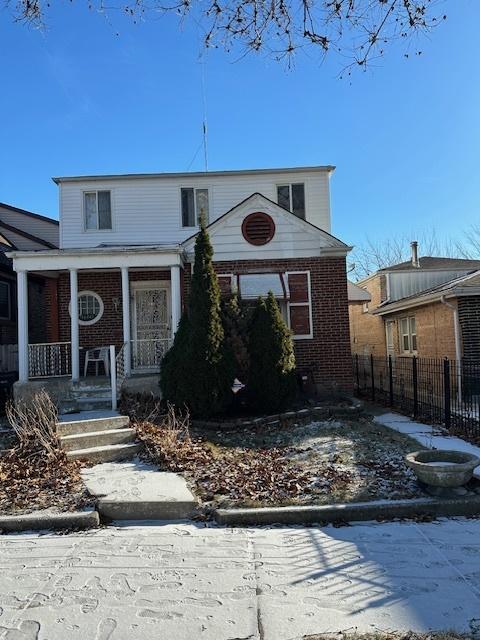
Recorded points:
(358, 30)
(368, 257)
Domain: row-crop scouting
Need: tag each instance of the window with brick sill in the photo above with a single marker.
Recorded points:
(291, 290)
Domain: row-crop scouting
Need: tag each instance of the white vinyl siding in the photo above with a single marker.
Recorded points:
(148, 210)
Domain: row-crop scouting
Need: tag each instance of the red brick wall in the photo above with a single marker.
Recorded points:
(327, 355)
(108, 285)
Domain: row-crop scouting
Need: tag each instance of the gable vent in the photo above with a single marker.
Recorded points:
(258, 228)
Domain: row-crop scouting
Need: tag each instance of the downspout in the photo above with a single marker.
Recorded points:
(458, 348)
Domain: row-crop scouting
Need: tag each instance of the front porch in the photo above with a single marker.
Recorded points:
(126, 302)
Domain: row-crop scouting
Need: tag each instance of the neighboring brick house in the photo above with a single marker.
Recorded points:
(429, 307)
(23, 231)
(126, 252)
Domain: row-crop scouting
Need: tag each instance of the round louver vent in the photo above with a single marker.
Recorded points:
(258, 228)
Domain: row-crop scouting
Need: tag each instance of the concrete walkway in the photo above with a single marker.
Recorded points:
(135, 490)
(185, 581)
(431, 437)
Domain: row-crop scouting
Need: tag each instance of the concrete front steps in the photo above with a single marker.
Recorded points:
(97, 436)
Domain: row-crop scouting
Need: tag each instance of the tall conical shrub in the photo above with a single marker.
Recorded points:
(197, 371)
(271, 380)
(235, 322)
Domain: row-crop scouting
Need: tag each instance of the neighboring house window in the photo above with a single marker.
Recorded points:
(300, 304)
(408, 335)
(292, 197)
(90, 307)
(365, 307)
(194, 205)
(5, 301)
(97, 210)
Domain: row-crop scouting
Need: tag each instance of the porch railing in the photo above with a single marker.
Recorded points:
(49, 360)
(148, 354)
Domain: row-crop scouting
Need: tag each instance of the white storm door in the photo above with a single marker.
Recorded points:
(151, 312)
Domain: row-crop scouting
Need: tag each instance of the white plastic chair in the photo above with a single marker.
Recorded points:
(99, 354)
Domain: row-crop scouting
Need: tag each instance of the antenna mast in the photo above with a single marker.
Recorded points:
(205, 128)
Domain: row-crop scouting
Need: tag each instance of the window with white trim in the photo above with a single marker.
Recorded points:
(97, 210)
(90, 307)
(292, 197)
(408, 335)
(194, 206)
(5, 304)
(291, 290)
(300, 304)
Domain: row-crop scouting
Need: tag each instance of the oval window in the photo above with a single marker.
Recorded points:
(90, 307)
(258, 228)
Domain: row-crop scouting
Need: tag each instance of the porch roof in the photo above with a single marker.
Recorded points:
(101, 257)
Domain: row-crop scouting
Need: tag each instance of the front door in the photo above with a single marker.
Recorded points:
(151, 323)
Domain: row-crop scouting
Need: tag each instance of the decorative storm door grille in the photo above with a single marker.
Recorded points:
(152, 327)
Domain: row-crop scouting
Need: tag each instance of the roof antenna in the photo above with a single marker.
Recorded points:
(204, 97)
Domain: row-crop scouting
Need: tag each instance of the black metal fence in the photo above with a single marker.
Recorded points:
(436, 391)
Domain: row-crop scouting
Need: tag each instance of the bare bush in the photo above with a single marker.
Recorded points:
(36, 473)
(35, 424)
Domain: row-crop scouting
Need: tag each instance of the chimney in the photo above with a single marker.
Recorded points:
(415, 260)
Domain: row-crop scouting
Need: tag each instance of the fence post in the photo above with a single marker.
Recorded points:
(415, 386)
(390, 379)
(446, 392)
(372, 373)
(357, 373)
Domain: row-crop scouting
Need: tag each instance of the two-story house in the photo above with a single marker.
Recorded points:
(427, 306)
(124, 263)
(22, 230)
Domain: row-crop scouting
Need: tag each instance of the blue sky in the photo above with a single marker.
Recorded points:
(104, 95)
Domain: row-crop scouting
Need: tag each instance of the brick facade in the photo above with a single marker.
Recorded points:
(469, 317)
(434, 326)
(108, 285)
(327, 355)
(367, 332)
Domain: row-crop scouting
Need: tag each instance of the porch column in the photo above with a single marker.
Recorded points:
(176, 297)
(126, 320)
(22, 298)
(74, 325)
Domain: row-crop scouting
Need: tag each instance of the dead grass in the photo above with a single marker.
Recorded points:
(36, 473)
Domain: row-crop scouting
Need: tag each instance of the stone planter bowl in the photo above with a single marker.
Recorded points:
(442, 468)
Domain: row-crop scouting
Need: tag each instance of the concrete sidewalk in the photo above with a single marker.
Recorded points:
(185, 581)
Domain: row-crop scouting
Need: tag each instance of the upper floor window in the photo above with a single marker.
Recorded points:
(292, 197)
(194, 205)
(97, 210)
(408, 335)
